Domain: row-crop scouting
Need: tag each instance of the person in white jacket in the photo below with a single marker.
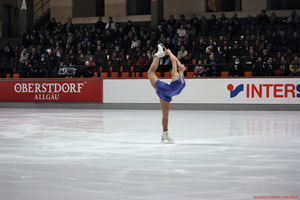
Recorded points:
(110, 24)
(182, 54)
(181, 31)
(24, 56)
(293, 18)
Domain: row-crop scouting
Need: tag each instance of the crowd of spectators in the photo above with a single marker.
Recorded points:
(265, 45)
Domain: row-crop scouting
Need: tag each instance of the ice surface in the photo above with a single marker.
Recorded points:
(116, 154)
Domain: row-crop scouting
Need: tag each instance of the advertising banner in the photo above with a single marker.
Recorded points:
(262, 91)
(209, 91)
(66, 90)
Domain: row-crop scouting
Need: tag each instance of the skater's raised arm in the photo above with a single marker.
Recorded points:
(173, 57)
(169, 52)
(173, 61)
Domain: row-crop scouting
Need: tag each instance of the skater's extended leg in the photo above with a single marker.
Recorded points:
(151, 72)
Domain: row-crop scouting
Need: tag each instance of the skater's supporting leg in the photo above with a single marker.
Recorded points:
(165, 107)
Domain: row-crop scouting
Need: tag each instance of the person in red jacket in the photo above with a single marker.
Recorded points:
(143, 59)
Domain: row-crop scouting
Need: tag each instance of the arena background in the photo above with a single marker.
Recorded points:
(62, 10)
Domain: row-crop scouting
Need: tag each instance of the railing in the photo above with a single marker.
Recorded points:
(39, 7)
(136, 70)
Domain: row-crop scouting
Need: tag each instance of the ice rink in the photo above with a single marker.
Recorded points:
(76, 154)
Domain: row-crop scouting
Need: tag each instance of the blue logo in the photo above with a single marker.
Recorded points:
(236, 91)
(298, 89)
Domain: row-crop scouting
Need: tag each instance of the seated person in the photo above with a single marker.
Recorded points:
(72, 60)
(265, 45)
(27, 71)
(259, 68)
(71, 71)
(294, 42)
(118, 54)
(182, 54)
(251, 59)
(110, 24)
(294, 67)
(269, 67)
(181, 31)
(283, 67)
(165, 60)
(34, 58)
(143, 60)
(62, 71)
(99, 55)
(199, 69)
(24, 56)
(85, 71)
(212, 70)
(237, 69)
(136, 54)
(91, 61)
(81, 59)
(293, 18)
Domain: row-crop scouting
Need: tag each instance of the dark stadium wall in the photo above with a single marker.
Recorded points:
(86, 8)
(61, 10)
(117, 9)
(86, 11)
(14, 8)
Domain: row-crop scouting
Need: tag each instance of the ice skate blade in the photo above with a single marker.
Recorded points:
(163, 46)
(166, 142)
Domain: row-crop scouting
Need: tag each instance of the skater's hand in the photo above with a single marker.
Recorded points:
(168, 51)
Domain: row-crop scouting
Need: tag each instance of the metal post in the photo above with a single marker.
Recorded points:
(30, 14)
(157, 12)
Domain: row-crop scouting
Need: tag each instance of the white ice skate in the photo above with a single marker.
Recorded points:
(160, 51)
(163, 46)
(165, 138)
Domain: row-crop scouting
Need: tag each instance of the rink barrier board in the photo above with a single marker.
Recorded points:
(200, 94)
(209, 91)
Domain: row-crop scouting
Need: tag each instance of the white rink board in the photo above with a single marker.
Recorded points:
(207, 91)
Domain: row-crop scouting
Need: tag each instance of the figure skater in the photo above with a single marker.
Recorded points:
(166, 91)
